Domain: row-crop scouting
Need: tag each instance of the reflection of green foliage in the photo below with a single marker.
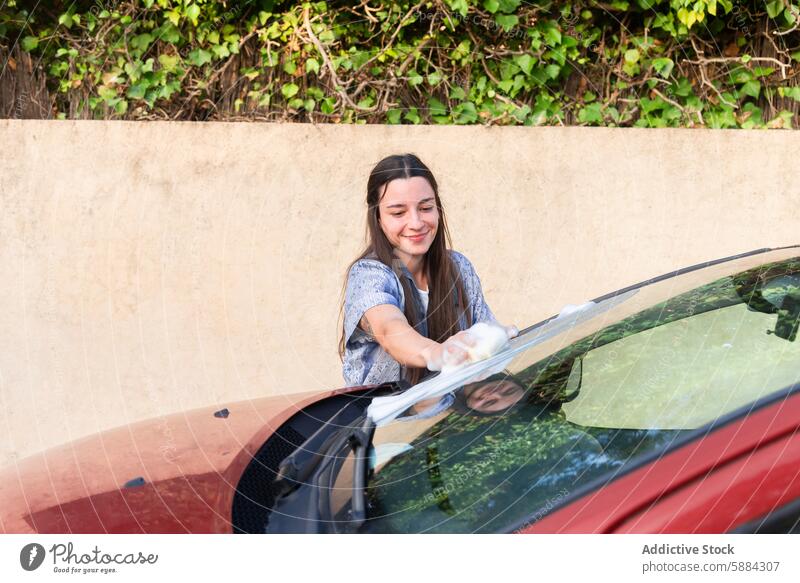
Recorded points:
(549, 376)
(482, 474)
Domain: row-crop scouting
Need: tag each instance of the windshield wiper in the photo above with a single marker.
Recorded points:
(307, 478)
(299, 466)
(360, 441)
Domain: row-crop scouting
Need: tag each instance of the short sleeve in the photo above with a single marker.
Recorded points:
(370, 283)
(472, 287)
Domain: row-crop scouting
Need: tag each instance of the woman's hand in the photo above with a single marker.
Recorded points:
(477, 343)
(451, 352)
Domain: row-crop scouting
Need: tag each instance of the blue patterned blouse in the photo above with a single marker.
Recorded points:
(371, 283)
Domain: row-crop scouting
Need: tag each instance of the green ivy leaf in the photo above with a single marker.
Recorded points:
(368, 101)
(790, 92)
(491, 5)
(65, 20)
(168, 62)
(289, 90)
(220, 51)
(199, 57)
(592, 113)
(434, 78)
(509, 6)
(436, 107)
(741, 75)
(192, 12)
(137, 91)
(521, 113)
(506, 21)
(327, 105)
(630, 69)
(525, 63)
(393, 116)
(462, 51)
(751, 88)
(315, 92)
(631, 56)
(457, 93)
(29, 43)
(107, 93)
(173, 16)
(141, 41)
(465, 113)
(133, 70)
(169, 33)
(312, 66)
(412, 115)
(552, 71)
(663, 66)
(650, 105)
(460, 6)
(552, 35)
(774, 8)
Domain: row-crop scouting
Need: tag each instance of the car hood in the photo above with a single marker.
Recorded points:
(176, 473)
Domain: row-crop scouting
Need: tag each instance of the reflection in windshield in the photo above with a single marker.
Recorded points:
(513, 446)
(491, 396)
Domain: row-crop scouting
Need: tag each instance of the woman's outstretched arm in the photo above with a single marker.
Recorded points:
(388, 325)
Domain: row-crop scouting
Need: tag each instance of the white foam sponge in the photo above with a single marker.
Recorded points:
(489, 340)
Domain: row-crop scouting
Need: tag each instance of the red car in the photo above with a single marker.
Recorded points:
(669, 406)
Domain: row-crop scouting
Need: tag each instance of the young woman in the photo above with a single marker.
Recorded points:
(408, 298)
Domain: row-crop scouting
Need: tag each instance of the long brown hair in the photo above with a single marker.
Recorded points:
(447, 300)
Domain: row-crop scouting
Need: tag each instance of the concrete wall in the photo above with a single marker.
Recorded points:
(148, 268)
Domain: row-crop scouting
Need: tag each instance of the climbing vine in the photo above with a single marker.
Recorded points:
(644, 63)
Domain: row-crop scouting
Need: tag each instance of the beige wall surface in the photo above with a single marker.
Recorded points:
(149, 268)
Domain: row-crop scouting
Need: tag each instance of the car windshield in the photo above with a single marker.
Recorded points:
(568, 413)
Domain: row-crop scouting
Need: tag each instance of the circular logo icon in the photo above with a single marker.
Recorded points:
(31, 556)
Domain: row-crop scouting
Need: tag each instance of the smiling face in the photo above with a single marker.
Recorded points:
(490, 397)
(409, 217)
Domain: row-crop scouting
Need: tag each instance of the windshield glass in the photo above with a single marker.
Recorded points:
(572, 410)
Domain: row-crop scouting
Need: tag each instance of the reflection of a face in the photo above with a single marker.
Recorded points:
(492, 396)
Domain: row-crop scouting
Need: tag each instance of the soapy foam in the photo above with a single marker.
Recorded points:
(489, 340)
